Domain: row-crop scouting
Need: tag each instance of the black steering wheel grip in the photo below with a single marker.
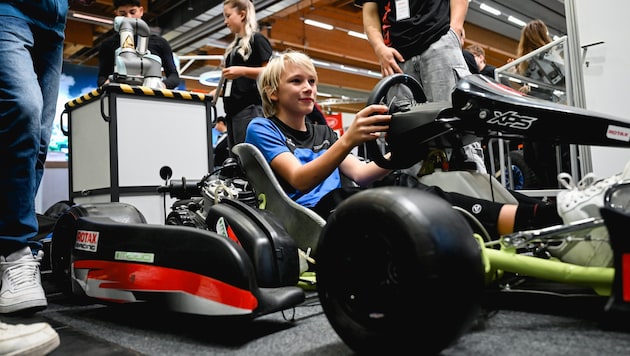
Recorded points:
(407, 90)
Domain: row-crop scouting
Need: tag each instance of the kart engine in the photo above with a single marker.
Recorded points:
(196, 198)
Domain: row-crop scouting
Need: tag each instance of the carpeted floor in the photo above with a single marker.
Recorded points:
(518, 323)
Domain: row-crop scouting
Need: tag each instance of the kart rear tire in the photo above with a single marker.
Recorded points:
(398, 269)
(528, 177)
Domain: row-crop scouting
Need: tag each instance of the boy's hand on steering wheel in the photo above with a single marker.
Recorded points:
(369, 124)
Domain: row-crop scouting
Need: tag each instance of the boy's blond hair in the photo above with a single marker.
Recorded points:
(269, 78)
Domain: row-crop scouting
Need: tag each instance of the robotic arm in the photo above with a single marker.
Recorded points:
(134, 64)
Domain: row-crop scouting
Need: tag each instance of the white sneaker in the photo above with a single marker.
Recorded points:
(34, 339)
(583, 201)
(579, 202)
(21, 282)
(474, 153)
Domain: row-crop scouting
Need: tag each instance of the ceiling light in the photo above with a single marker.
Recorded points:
(320, 63)
(91, 18)
(325, 26)
(358, 34)
(490, 9)
(210, 78)
(342, 68)
(517, 21)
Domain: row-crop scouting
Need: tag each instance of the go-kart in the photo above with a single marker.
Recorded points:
(391, 258)
(247, 268)
(387, 258)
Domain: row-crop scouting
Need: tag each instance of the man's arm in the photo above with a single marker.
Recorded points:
(105, 61)
(171, 75)
(459, 8)
(388, 57)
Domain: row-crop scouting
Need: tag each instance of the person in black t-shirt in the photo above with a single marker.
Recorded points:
(470, 61)
(245, 58)
(157, 46)
(480, 58)
(422, 39)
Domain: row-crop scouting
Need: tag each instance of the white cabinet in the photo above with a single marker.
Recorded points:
(120, 136)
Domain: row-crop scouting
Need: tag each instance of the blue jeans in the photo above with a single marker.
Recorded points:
(30, 70)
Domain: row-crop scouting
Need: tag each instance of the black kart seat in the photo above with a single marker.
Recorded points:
(300, 222)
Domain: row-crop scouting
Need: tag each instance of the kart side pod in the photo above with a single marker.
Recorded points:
(106, 251)
(261, 234)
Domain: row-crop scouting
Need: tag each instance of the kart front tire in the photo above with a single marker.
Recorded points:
(398, 269)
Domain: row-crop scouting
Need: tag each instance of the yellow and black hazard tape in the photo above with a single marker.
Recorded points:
(163, 93)
(135, 89)
(84, 98)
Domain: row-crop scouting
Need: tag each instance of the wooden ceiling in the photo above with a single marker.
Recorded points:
(285, 29)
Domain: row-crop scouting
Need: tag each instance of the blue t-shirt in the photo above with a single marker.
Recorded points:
(273, 137)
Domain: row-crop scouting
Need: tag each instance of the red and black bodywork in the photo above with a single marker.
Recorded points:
(107, 251)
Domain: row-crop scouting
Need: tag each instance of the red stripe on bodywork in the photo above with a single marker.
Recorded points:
(140, 277)
(232, 235)
(625, 276)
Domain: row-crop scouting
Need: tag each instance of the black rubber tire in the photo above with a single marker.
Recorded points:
(398, 269)
(529, 177)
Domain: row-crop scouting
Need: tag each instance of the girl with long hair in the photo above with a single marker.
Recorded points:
(245, 58)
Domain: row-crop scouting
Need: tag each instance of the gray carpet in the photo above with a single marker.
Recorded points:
(565, 327)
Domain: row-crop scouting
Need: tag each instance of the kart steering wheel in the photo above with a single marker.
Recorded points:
(398, 92)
